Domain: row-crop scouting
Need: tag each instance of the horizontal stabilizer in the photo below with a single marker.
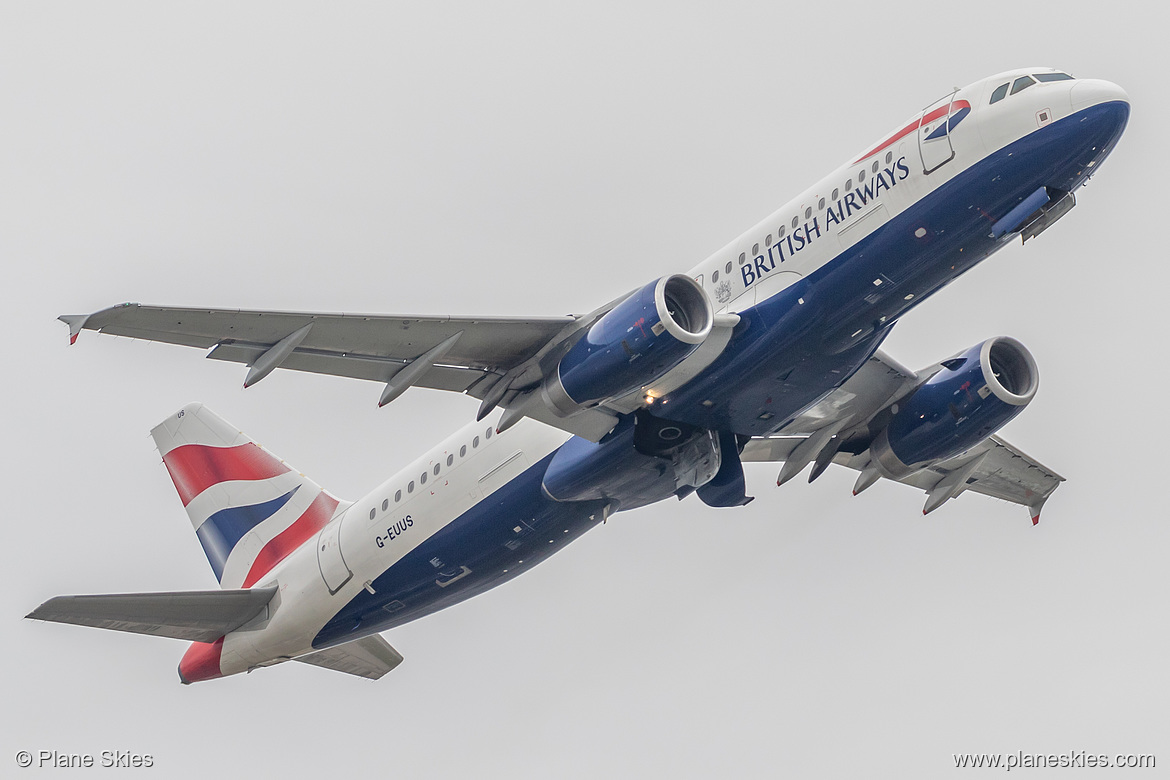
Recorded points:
(197, 615)
(371, 658)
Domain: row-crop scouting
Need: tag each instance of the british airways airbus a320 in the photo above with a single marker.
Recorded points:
(766, 351)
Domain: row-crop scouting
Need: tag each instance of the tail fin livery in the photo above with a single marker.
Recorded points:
(249, 508)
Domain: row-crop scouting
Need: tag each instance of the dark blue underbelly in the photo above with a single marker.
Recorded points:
(475, 552)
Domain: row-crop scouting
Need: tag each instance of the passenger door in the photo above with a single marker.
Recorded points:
(934, 138)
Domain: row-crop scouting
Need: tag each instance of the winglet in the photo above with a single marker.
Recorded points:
(1034, 510)
(75, 322)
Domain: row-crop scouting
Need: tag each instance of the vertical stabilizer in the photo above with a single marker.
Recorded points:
(249, 509)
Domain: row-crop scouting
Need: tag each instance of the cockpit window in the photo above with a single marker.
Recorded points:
(1022, 83)
(1052, 77)
(1000, 93)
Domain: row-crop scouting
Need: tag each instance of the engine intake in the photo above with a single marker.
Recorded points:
(633, 344)
(974, 395)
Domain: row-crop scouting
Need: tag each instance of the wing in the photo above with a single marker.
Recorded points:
(484, 357)
(370, 657)
(878, 383)
(374, 347)
(993, 467)
(200, 616)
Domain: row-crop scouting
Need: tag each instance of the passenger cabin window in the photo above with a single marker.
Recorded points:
(1022, 83)
(1052, 77)
(1000, 93)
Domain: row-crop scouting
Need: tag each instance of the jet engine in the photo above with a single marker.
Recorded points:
(633, 344)
(618, 471)
(974, 395)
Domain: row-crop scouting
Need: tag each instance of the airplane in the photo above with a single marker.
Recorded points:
(767, 351)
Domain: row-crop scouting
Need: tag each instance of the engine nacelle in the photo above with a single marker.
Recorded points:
(616, 470)
(633, 344)
(974, 395)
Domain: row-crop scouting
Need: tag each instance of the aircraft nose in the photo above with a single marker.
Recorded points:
(1094, 92)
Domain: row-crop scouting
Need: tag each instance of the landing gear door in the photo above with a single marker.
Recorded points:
(334, 569)
(934, 137)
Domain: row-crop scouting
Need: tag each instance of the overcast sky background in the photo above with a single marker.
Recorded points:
(536, 158)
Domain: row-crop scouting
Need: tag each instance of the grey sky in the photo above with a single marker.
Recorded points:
(532, 158)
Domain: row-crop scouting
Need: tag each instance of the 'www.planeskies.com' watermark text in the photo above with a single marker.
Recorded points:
(1074, 759)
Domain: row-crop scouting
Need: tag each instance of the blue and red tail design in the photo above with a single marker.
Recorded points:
(249, 508)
